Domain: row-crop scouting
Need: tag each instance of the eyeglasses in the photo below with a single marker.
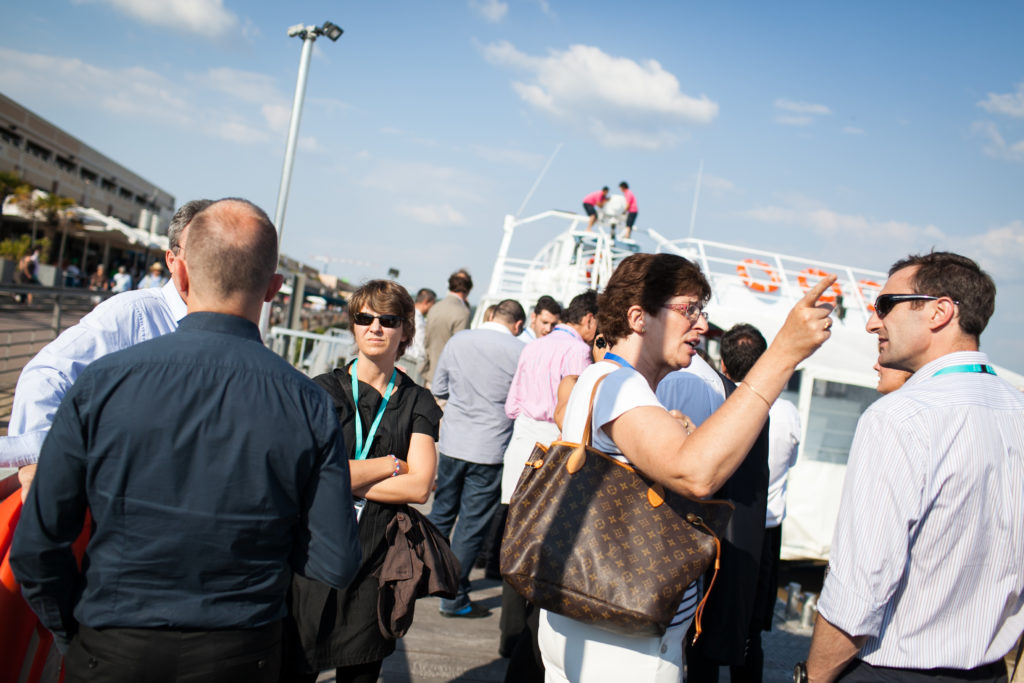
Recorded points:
(885, 303)
(365, 319)
(691, 311)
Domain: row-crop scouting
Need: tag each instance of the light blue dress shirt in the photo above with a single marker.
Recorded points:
(117, 323)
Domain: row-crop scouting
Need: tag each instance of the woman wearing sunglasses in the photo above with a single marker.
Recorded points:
(651, 316)
(390, 425)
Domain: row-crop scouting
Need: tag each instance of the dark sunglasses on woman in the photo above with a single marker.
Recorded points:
(365, 319)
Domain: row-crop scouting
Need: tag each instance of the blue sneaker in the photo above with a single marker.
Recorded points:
(470, 611)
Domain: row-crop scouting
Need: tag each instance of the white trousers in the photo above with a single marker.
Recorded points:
(526, 432)
(579, 653)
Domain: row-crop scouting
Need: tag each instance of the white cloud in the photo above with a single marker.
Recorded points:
(1010, 104)
(852, 229)
(997, 146)
(131, 91)
(207, 18)
(1000, 250)
(239, 106)
(491, 10)
(802, 107)
(508, 156)
(620, 101)
(277, 116)
(248, 86)
(853, 130)
(432, 214)
(426, 180)
(238, 131)
(788, 120)
(716, 185)
(791, 113)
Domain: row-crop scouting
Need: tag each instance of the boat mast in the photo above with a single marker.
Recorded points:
(696, 196)
(539, 178)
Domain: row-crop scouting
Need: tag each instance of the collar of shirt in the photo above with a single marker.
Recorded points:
(206, 321)
(957, 358)
(174, 301)
(495, 327)
(565, 328)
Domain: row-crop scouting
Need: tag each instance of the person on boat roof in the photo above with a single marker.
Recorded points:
(631, 209)
(592, 202)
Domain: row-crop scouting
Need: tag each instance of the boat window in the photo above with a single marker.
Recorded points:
(835, 409)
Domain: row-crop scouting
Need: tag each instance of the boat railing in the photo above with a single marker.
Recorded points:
(312, 353)
(772, 275)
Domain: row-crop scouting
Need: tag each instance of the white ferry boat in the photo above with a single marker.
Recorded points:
(830, 389)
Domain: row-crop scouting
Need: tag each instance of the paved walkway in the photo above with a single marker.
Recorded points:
(439, 649)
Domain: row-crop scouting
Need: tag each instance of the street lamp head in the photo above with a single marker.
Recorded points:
(332, 31)
(297, 30)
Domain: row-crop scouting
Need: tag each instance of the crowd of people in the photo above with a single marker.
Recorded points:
(242, 515)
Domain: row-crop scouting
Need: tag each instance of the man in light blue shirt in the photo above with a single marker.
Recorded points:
(925, 572)
(117, 323)
(474, 373)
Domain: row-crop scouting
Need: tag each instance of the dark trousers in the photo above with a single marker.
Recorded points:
(860, 671)
(357, 673)
(135, 655)
(469, 491)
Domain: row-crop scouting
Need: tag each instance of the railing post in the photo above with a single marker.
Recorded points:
(56, 316)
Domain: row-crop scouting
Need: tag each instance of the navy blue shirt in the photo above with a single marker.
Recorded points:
(212, 469)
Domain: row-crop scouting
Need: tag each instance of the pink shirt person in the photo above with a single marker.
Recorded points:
(595, 198)
(542, 365)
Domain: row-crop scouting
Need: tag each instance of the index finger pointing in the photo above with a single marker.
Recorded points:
(812, 295)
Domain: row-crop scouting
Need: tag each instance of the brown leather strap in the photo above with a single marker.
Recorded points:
(588, 434)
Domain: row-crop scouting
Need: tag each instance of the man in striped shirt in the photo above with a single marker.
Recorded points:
(926, 575)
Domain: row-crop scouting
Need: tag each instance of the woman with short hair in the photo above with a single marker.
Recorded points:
(651, 315)
(390, 425)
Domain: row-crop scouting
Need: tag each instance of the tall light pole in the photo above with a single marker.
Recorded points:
(309, 35)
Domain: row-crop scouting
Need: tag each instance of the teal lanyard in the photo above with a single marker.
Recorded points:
(361, 448)
(973, 367)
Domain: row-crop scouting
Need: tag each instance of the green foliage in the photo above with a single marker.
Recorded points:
(16, 248)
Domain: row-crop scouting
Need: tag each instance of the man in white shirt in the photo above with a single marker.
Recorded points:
(546, 314)
(925, 576)
(416, 353)
(117, 323)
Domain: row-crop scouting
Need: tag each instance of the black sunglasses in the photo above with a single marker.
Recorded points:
(365, 319)
(886, 302)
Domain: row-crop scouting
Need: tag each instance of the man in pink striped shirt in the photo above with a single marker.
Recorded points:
(591, 202)
(531, 403)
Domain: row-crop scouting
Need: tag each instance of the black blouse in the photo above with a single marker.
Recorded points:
(339, 628)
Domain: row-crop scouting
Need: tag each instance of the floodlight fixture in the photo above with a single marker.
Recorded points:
(332, 31)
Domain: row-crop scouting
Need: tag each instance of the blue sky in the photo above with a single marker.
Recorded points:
(847, 132)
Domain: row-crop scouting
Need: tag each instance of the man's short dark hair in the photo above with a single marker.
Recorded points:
(580, 305)
(426, 296)
(624, 185)
(228, 266)
(460, 282)
(741, 347)
(943, 273)
(509, 311)
(548, 303)
(182, 217)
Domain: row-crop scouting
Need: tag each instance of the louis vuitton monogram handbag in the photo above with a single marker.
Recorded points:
(593, 539)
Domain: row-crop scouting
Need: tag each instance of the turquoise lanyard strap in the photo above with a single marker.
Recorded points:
(973, 367)
(361, 448)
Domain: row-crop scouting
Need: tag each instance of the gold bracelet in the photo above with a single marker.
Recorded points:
(757, 393)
